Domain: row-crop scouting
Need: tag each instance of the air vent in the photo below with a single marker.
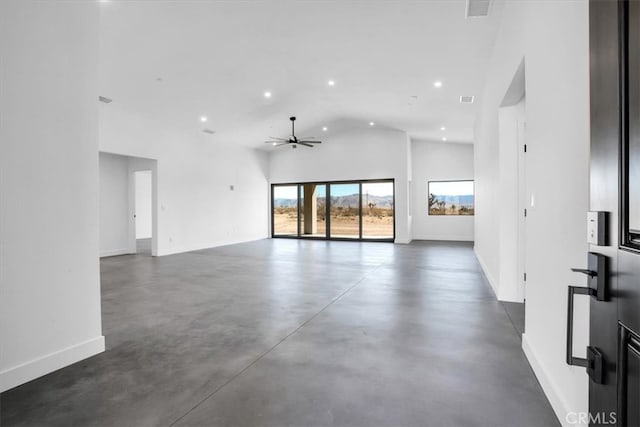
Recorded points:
(478, 8)
(209, 131)
(466, 99)
(105, 99)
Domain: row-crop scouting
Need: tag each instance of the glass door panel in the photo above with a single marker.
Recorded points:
(313, 210)
(377, 210)
(344, 211)
(285, 210)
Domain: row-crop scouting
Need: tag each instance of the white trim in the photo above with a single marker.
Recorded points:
(445, 238)
(179, 250)
(402, 241)
(115, 252)
(550, 387)
(487, 274)
(36, 368)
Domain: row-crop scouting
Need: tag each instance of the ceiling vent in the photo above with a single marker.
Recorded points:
(209, 131)
(478, 8)
(105, 99)
(466, 99)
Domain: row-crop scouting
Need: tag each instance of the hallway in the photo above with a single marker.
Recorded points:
(294, 332)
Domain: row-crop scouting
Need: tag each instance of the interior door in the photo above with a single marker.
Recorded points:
(614, 360)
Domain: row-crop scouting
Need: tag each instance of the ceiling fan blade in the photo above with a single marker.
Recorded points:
(310, 142)
(276, 143)
(305, 144)
(308, 137)
(279, 139)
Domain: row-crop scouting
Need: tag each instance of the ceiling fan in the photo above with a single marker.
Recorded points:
(293, 140)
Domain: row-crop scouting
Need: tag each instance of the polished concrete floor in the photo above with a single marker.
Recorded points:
(143, 247)
(515, 311)
(295, 333)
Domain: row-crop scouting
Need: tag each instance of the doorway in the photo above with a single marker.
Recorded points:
(143, 214)
(128, 205)
(514, 197)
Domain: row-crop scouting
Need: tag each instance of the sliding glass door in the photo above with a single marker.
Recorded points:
(377, 210)
(352, 210)
(344, 211)
(313, 210)
(285, 210)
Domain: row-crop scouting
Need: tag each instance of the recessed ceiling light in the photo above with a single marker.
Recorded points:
(324, 129)
(466, 99)
(371, 124)
(274, 143)
(444, 138)
(203, 119)
(267, 94)
(437, 83)
(443, 128)
(331, 83)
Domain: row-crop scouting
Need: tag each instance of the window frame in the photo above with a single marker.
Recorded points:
(473, 182)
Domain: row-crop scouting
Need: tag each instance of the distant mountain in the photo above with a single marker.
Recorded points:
(465, 200)
(354, 199)
(285, 203)
(351, 200)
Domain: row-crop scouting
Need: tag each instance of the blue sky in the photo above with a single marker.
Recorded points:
(451, 188)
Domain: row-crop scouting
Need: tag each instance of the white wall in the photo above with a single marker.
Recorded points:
(143, 195)
(114, 205)
(439, 161)
(49, 286)
(552, 37)
(368, 153)
(196, 207)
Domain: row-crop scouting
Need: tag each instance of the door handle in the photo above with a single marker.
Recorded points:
(589, 273)
(597, 272)
(594, 362)
(596, 287)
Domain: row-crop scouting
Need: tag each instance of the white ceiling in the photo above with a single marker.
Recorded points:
(217, 58)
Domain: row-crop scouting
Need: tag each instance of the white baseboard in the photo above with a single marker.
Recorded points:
(444, 238)
(36, 368)
(114, 252)
(492, 281)
(180, 250)
(402, 241)
(550, 387)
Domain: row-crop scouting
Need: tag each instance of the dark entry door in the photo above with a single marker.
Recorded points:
(613, 361)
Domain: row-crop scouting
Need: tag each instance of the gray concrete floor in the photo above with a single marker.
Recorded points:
(515, 311)
(143, 247)
(295, 333)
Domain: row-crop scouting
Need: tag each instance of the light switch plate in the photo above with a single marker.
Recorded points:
(596, 228)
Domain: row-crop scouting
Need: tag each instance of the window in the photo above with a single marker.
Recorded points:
(450, 198)
(345, 210)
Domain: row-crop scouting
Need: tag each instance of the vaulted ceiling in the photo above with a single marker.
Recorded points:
(178, 61)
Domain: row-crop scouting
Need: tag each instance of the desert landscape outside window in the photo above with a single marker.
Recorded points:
(450, 198)
(345, 210)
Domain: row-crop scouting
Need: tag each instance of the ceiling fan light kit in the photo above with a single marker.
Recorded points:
(293, 140)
